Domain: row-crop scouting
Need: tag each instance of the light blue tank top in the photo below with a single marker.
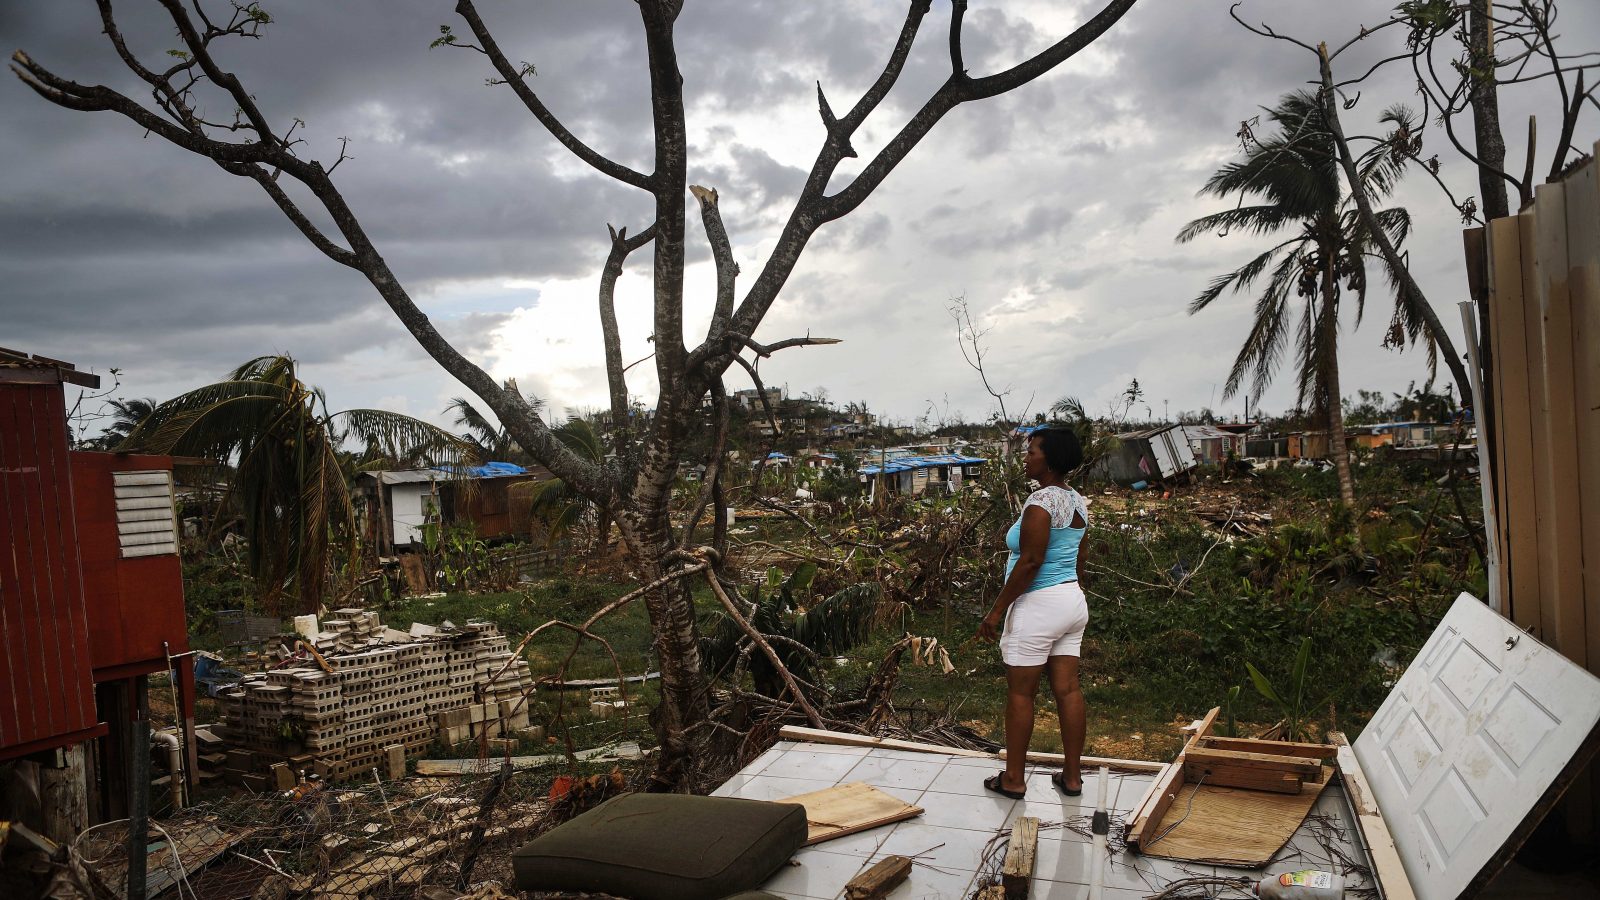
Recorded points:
(1061, 554)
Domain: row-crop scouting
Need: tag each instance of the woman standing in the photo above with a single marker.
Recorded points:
(1044, 611)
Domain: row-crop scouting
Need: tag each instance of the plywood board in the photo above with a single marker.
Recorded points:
(849, 808)
(1513, 410)
(1229, 826)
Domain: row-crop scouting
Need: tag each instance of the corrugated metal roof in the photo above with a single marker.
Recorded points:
(907, 463)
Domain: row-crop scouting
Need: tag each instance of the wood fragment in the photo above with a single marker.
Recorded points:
(1265, 762)
(1387, 867)
(845, 739)
(1256, 745)
(1240, 777)
(879, 879)
(1016, 873)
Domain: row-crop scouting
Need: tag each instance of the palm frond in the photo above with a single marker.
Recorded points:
(1249, 219)
(406, 438)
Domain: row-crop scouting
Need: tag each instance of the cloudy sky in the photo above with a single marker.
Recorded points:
(1052, 210)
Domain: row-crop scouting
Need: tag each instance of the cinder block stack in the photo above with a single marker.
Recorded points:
(386, 688)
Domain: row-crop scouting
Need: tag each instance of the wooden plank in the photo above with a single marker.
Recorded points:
(1089, 762)
(1268, 762)
(1240, 777)
(879, 879)
(1539, 414)
(845, 739)
(1513, 408)
(1583, 287)
(1169, 783)
(1016, 873)
(1559, 499)
(1387, 868)
(849, 808)
(1286, 748)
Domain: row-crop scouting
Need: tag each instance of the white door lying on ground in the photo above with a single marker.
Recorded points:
(1476, 729)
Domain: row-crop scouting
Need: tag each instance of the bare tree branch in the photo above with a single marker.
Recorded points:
(616, 377)
(722, 254)
(513, 78)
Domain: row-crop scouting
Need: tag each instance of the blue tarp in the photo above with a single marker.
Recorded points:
(487, 470)
(907, 463)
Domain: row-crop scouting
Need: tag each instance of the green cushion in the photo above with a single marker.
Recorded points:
(664, 847)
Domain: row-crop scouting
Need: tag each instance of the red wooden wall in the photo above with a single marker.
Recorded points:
(134, 603)
(46, 692)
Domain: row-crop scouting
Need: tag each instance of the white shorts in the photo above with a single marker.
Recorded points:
(1044, 623)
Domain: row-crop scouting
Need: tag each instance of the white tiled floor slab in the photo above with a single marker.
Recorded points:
(828, 767)
(960, 817)
(901, 773)
(819, 875)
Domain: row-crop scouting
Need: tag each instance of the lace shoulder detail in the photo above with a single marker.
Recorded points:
(1060, 503)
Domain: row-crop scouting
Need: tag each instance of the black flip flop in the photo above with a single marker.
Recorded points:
(1060, 781)
(996, 784)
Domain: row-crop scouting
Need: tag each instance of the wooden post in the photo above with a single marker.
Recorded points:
(138, 788)
(64, 795)
(1016, 873)
(183, 670)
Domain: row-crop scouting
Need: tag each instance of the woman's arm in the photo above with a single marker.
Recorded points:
(1030, 556)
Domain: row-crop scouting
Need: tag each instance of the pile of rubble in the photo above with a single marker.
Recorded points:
(370, 695)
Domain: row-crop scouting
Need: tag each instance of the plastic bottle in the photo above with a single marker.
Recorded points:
(1306, 884)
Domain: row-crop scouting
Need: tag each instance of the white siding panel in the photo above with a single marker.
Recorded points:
(150, 514)
(139, 540)
(143, 490)
(124, 479)
(150, 550)
(162, 526)
(144, 503)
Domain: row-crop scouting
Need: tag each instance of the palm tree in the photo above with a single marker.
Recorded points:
(125, 417)
(493, 441)
(554, 501)
(1294, 176)
(291, 482)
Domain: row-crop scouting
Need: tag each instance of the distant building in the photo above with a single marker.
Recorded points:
(916, 475)
(400, 504)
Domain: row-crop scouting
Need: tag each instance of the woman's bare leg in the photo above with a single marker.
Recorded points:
(1022, 683)
(1063, 674)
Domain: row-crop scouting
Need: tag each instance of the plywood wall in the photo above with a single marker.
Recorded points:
(1543, 288)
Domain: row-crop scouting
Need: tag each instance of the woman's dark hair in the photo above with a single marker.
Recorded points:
(1062, 452)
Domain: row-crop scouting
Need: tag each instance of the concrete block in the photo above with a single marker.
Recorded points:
(501, 746)
(532, 733)
(601, 709)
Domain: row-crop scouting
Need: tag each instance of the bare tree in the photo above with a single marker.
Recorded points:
(635, 487)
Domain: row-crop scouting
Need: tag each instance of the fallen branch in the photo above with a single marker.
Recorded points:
(766, 648)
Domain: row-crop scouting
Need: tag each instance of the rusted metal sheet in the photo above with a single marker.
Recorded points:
(46, 693)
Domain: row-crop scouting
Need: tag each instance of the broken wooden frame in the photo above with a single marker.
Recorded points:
(1282, 767)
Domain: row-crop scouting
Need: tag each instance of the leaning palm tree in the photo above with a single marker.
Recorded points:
(290, 482)
(1294, 179)
(125, 417)
(491, 440)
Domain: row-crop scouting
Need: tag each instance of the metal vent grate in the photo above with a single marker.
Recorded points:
(146, 520)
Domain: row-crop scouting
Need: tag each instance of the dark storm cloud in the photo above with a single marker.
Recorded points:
(1053, 208)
